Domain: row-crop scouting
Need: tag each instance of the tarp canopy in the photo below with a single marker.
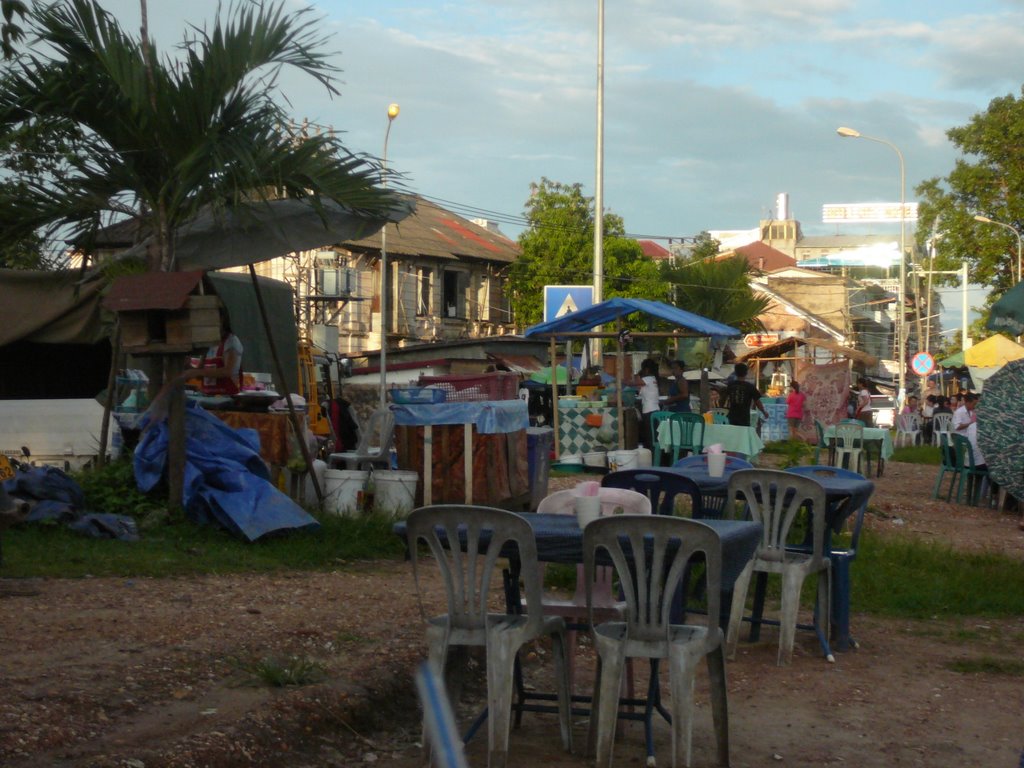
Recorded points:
(259, 231)
(994, 352)
(608, 311)
(1007, 314)
(49, 308)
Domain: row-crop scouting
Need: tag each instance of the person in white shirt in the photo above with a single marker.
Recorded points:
(647, 380)
(965, 415)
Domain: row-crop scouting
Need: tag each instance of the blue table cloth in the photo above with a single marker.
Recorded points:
(488, 416)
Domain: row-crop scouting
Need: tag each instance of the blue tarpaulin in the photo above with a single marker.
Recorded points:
(607, 311)
(226, 481)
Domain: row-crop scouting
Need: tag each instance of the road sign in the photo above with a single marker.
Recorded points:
(562, 299)
(922, 363)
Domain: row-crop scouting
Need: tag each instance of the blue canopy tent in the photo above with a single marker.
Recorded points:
(582, 323)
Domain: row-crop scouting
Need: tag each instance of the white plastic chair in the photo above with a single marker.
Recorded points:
(650, 555)
(774, 499)
(908, 429)
(941, 423)
(469, 576)
(849, 443)
(374, 448)
(606, 606)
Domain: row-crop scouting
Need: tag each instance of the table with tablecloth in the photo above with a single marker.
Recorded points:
(468, 452)
(275, 430)
(876, 439)
(743, 440)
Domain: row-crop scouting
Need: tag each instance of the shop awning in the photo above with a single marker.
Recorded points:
(608, 311)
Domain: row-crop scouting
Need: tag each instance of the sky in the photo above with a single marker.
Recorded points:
(710, 109)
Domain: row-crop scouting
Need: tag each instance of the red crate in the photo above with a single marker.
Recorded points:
(476, 386)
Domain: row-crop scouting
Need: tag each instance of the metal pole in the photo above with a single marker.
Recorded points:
(965, 341)
(599, 178)
(392, 114)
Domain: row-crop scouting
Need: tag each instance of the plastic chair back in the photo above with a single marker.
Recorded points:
(775, 499)
(650, 555)
(468, 573)
(686, 433)
(661, 486)
(849, 442)
(941, 423)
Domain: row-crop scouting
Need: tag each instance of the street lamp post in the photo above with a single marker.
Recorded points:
(901, 336)
(392, 114)
(987, 220)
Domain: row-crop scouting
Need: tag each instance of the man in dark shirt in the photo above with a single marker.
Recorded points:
(739, 395)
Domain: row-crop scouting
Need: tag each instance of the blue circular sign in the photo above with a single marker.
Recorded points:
(922, 363)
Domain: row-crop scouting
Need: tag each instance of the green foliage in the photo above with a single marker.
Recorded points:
(182, 548)
(278, 673)
(988, 179)
(11, 33)
(161, 138)
(558, 249)
(793, 452)
(716, 289)
(113, 489)
(988, 665)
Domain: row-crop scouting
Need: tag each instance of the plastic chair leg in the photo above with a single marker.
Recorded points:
(791, 584)
(739, 600)
(719, 702)
(681, 681)
(841, 639)
(604, 715)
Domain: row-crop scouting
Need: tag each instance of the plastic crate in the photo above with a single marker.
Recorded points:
(477, 386)
(417, 395)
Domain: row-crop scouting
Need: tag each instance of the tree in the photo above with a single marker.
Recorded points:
(987, 180)
(718, 289)
(558, 249)
(11, 33)
(161, 138)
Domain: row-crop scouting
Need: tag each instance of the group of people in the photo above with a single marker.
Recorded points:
(738, 397)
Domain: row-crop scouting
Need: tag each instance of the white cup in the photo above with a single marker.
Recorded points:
(588, 509)
(716, 464)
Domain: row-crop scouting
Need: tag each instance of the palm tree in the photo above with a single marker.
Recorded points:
(160, 139)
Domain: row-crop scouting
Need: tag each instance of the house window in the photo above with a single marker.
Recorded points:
(423, 302)
(454, 293)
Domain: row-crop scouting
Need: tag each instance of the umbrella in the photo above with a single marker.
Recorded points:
(1007, 314)
(1000, 422)
(260, 231)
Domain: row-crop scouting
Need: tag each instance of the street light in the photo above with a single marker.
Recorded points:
(987, 220)
(392, 114)
(901, 336)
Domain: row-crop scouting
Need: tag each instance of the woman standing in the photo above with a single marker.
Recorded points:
(647, 381)
(796, 404)
(863, 409)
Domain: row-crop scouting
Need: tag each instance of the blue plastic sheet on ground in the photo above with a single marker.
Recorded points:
(226, 481)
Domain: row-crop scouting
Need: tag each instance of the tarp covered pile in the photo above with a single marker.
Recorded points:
(226, 481)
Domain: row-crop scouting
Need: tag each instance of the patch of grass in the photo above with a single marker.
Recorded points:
(912, 578)
(181, 547)
(917, 454)
(279, 673)
(793, 452)
(987, 665)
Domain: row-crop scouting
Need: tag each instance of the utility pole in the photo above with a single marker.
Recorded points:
(965, 340)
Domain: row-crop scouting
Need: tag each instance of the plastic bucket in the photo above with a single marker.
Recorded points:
(596, 458)
(622, 460)
(643, 457)
(394, 492)
(343, 491)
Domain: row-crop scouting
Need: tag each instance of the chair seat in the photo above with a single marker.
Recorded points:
(678, 634)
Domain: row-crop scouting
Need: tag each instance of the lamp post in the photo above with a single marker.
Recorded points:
(901, 336)
(987, 220)
(392, 114)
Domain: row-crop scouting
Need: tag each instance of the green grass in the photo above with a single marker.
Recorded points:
(182, 548)
(988, 665)
(917, 454)
(278, 673)
(911, 578)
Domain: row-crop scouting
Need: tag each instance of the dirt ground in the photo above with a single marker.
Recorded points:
(155, 673)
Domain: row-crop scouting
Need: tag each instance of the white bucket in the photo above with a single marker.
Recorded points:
(596, 459)
(394, 492)
(343, 491)
(622, 460)
(644, 457)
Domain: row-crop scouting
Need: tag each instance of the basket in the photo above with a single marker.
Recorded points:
(477, 386)
(417, 395)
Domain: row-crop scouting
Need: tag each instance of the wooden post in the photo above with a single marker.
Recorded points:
(300, 433)
(554, 396)
(108, 401)
(175, 434)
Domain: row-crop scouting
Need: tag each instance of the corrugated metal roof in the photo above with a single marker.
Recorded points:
(153, 290)
(438, 233)
(777, 349)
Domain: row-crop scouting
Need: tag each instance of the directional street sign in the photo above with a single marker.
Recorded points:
(562, 299)
(922, 363)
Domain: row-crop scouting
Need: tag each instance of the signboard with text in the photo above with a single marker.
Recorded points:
(867, 213)
(755, 340)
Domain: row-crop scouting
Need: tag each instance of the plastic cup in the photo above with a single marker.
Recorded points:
(716, 464)
(588, 509)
